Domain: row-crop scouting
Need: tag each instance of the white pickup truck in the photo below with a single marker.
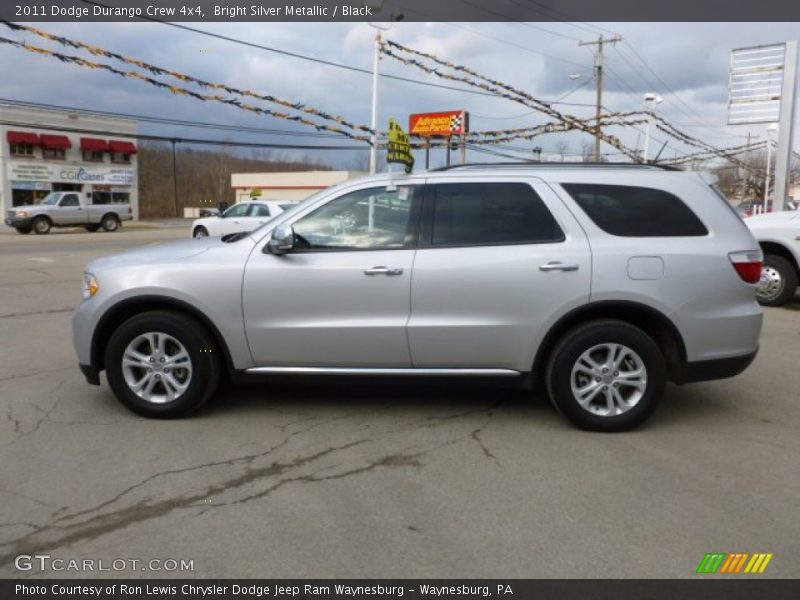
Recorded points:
(778, 234)
(67, 209)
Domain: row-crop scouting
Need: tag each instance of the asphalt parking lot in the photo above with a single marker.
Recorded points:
(376, 481)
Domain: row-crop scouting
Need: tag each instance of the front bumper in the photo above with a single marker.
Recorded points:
(719, 368)
(21, 222)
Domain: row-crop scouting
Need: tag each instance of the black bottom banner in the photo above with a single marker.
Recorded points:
(333, 589)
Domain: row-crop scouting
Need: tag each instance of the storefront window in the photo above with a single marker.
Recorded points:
(54, 153)
(21, 149)
(120, 157)
(101, 197)
(121, 198)
(92, 156)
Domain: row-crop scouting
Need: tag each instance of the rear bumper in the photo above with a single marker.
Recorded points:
(91, 374)
(720, 368)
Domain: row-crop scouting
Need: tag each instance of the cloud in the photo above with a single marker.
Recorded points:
(686, 63)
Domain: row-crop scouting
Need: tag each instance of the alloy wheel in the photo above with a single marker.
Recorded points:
(608, 379)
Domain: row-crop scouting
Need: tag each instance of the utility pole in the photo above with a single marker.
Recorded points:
(598, 70)
(746, 168)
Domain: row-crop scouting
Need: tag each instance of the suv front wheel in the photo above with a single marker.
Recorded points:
(162, 364)
(606, 376)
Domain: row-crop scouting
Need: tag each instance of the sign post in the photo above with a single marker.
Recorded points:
(399, 150)
(444, 124)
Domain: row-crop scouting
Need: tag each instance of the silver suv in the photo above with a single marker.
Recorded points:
(600, 282)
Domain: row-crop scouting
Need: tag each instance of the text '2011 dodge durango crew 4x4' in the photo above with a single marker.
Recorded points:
(603, 282)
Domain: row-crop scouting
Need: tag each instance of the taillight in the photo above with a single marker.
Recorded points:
(748, 264)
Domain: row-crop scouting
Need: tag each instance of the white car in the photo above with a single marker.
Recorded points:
(242, 216)
(778, 234)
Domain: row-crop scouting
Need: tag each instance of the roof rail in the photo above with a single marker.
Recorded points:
(556, 165)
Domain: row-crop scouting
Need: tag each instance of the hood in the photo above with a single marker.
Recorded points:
(158, 254)
(24, 207)
(771, 219)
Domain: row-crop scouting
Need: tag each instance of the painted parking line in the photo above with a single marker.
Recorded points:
(41, 259)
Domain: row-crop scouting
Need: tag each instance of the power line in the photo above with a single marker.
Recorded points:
(178, 139)
(170, 121)
(322, 61)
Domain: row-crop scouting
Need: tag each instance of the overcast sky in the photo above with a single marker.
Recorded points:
(687, 64)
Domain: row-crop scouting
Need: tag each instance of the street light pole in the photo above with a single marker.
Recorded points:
(373, 150)
(650, 100)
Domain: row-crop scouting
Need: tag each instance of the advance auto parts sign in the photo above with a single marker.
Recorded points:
(21, 171)
(452, 122)
(399, 150)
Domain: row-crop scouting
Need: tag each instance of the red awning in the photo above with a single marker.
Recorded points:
(122, 147)
(94, 145)
(57, 142)
(22, 137)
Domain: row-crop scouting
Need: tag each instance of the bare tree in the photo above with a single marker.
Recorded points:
(562, 149)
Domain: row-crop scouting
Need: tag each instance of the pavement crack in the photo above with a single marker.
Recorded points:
(475, 435)
(60, 532)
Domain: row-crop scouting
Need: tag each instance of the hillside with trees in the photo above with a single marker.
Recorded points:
(203, 177)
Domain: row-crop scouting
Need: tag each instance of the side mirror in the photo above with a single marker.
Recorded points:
(282, 240)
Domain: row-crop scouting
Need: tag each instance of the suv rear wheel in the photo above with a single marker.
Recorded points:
(606, 376)
(162, 364)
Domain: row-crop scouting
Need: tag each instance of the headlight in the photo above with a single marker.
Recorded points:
(22, 213)
(90, 286)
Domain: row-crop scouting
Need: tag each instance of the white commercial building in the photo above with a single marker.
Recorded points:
(290, 186)
(43, 150)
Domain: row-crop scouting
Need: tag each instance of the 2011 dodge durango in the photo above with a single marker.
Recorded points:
(600, 282)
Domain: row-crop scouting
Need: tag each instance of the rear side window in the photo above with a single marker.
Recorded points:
(629, 211)
(259, 210)
(481, 214)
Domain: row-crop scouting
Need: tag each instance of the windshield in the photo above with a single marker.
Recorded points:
(51, 199)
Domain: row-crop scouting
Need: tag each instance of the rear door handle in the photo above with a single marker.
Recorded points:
(383, 271)
(558, 266)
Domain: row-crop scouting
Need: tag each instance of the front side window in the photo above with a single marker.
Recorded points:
(370, 219)
(629, 211)
(70, 200)
(482, 214)
(237, 210)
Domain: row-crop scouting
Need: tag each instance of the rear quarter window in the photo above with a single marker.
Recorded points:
(630, 211)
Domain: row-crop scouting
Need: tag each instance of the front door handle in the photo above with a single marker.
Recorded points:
(558, 266)
(383, 271)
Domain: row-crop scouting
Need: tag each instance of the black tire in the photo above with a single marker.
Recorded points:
(109, 223)
(92, 228)
(559, 375)
(23, 230)
(199, 232)
(780, 288)
(41, 225)
(199, 344)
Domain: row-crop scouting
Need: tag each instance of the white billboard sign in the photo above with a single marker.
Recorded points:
(756, 82)
(55, 173)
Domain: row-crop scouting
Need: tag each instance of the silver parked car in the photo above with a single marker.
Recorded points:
(599, 282)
